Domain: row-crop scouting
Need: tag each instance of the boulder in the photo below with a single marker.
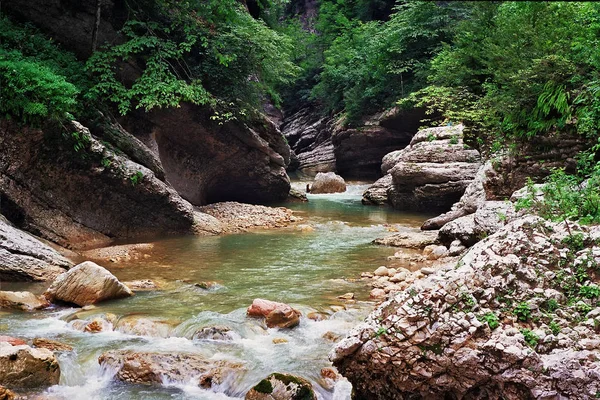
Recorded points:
(469, 229)
(411, 239)
(52, 345)
(277, 315)
(431, 173)
(240, 217)
(140, 326)
(82, 201)
(11, 340)
(470, 201)
(154, 368)
(86, 283)
(485, 328)
(297, 196)
(328, 182)
(282, 387)
(209, 161)
(6, 394)
(25, 258)
(25, 301)
(24, 367)
(219, 332)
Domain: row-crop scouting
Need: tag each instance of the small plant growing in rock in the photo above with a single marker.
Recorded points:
(430, 137)
(491, 319)
(454, 140)
(530, 338)
(554, 327)
(381, 331)
(522, 311)
(590, 292)
(552, 305)
(574, 241)
(136, 178)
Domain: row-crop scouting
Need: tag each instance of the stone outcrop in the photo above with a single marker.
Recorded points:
(25, 301)
(207, 162)
(239, 217)
(85, 284)
(79, 192)
(277, 315)
(410, 239)
(24, 367)
(358, 151)
(328, 182)
(512, 320)
(430, 174)
(309, 136)
(282, 387)
(25, 258)
(153, 368)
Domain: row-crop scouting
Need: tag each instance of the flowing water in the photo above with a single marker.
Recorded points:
(307, 266)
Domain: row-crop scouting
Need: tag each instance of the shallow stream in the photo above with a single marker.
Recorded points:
(307, 266)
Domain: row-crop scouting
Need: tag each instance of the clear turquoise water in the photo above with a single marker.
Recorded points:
(307, 266)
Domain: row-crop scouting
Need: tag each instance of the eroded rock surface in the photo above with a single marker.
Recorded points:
(240, 217)
(25, 301)
(510, 321)
(24, 367)
(277, 315)
(146, 367)
(25, 258)
(432, 173)
(328, 182)
(86, 283)
(282, 387)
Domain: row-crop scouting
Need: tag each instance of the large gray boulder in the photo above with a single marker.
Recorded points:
(23, 367)
(498, 325)
(85, 284)
(25, 258)
(431, 173)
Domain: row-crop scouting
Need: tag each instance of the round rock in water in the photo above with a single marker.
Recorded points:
(282, 387)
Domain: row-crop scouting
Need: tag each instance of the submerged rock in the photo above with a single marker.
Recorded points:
(25, 301)
(282, 387)
(137, 325)
(240, 217)
(486, 328)
(24, 367)
(11, 340)
(146, 367)
(328, 182)
(25, 258)
(412, 240)
(87, 283)
(52, 345)
(219, 332)
(277, 315)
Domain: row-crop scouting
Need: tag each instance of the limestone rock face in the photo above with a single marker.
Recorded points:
(25, 258)
(487, 328)
(277, 315)
(85, 284)
(207, 162)
(24, 367)
(146, 367)
(78, 201)
(328, 182)
(282, 387)
(309, 136)
(490, 217)
(25, 301)
(431, 173)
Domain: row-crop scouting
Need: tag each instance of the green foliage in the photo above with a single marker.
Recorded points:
(567, 197)
(552, 305)
(522, 312)
(590, 292)
(136, 178)
(491, 319)
(530, 338)
(211, 53)
(39, 81)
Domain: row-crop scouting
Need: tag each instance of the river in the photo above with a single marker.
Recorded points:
(307, 266)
